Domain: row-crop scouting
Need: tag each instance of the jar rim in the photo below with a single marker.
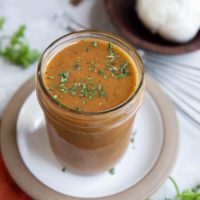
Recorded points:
(100, 33)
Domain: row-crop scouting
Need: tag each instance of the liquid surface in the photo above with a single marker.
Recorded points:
(91, 76)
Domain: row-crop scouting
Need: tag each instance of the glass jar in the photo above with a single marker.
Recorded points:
(89, 143)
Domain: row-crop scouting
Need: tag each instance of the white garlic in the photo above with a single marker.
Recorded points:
(175, 20)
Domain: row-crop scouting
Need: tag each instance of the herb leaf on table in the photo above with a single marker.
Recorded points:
(193, 194)
(2, 20)
(17, 50)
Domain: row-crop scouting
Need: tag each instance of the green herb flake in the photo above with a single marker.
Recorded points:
(112, 54)
(78, 109)
(123, 68)
(2, 21)
(112, 68)
(64, 169)
(50, 77)
(94, 44)
(101, 91)
(100, 72)
(84, 101)
(92, 67)
(72, 89)
(84, 90)
(86, 49)
(64, 90)
(55, 96)
(111, 171)
(64, 78)
(76, 65)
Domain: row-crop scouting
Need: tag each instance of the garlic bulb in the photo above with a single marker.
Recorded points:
(175, 20)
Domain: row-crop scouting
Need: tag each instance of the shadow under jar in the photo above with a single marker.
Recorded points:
(89, 142)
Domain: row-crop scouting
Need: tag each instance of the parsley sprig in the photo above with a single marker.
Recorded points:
(120, 72)
(2, 20)
(193, 194)
(17, 50)
(112, 54)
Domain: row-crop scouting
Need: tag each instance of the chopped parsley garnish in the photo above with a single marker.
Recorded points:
(78, 109)
(101, 92)
(72, 89)
(112, 68)
(112, 54)
(92, 67)
(55, 96)
(111, 171)
(77, 65)
(94, 44)
(119, 72)
(64, 77)
(17, 50)
(50, 77)
(123, 68)
(86, 49)
(84, 90)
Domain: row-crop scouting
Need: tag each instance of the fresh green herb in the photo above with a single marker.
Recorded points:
(92, 94)
(72, 89)
(55, 96)
(64, 77)
(86, 49)
(119, 73)
(51, 77)
(18, 51)
(111, 171)
(84, 101)
(101, 91)
(64, 90)
(123, 68)
(90, 80)
(112, 68)
(100, 72)
(112, 54)
(84, 90)
(186, 194)
(2, 21)
(77, 65)
(78, 109)
(64, 169)
(110, 48)
(92, 67)
(94, 44)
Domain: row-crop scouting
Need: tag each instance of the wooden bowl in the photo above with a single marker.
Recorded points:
(124, 17)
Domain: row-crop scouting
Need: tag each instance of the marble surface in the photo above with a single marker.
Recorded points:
(44, 20)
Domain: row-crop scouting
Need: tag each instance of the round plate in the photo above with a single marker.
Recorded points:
(142, 153)
(154, 169)
(125, 19)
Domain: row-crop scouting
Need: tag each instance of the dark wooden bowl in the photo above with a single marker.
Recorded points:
(124, 17)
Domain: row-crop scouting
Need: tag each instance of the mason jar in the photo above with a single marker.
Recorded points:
(89, 142)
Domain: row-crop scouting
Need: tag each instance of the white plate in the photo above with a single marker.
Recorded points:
(139, 159)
